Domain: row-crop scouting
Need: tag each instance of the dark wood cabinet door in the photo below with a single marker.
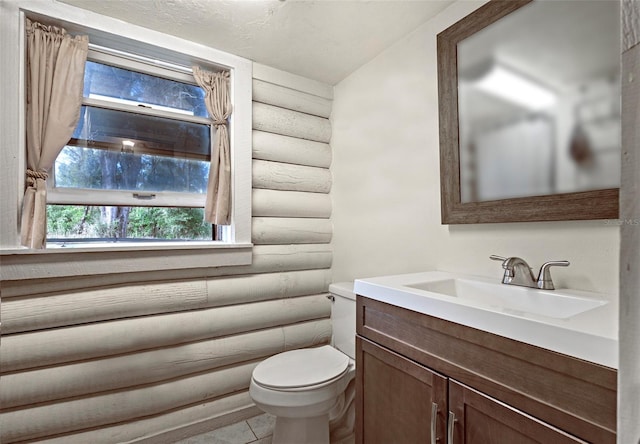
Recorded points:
(397, 400)
(480, 419)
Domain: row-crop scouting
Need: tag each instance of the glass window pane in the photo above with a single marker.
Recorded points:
(139, 133)
(115, 150)
(124, 86)
(78, 223)
(81, 167)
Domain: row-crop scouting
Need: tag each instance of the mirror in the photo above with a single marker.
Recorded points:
(529, 98)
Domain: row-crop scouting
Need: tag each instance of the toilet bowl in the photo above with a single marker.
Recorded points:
(309, 389)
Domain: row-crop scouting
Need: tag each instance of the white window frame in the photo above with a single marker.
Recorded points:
(22, 263)
(80, 196)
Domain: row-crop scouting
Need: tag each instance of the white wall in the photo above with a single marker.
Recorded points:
(386, 186)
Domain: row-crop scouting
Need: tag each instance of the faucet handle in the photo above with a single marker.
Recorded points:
(544, 277)
(497, 258)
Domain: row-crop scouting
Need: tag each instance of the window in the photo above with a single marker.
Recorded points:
(123, 40)
(138, 162)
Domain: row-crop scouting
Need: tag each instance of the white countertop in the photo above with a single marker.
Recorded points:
(591, 335)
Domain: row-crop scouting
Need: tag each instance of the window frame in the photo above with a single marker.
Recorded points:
(83, 196)
(122, 36)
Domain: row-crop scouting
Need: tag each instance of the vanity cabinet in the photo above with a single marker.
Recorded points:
(404, 402)
(478, 418)
(417, 375)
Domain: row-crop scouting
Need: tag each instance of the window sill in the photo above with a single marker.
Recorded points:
(136, 246)
(97, 259)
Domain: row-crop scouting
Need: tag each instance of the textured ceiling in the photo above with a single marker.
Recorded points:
(325, 40)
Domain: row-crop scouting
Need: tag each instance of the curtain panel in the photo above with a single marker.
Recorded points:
(217, 208)
(55, 75)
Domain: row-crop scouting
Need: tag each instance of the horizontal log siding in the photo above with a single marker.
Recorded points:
(283, 97)
(288, 177)
(273, 119)
(279, 148)
(51, 347)
(274, 230)
(266, 259)
(80, 307)
(155, 357)
(274, 203)
(169, 427)
(169, 363)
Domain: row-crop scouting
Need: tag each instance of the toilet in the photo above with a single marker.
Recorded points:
(310, 391)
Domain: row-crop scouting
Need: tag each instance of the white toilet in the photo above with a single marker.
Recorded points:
(310, 391)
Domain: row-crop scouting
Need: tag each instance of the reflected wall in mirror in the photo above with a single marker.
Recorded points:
(530, 112)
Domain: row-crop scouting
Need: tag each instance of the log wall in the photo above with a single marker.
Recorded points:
(155, 357)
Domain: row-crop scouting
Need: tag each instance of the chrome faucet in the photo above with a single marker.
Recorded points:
(518, 272)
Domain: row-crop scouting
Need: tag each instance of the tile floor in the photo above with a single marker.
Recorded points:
(256, 430)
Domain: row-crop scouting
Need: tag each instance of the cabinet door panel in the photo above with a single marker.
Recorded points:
(480, 419)
(395, 398)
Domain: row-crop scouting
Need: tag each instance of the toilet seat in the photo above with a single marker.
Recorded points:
(301, 369)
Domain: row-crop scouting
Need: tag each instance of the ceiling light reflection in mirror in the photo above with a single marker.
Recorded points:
(539, 112)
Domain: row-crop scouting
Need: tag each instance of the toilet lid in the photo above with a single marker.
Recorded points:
(301, 368)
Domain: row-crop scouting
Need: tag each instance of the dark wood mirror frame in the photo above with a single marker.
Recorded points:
(599, 204)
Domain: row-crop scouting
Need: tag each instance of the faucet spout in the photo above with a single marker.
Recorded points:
(517, 272)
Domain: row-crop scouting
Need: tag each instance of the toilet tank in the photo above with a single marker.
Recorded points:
(343, 317)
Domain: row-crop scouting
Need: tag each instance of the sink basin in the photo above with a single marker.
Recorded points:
(511, 299)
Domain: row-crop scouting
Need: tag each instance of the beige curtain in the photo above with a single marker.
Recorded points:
(217, 208)
(55, 74)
